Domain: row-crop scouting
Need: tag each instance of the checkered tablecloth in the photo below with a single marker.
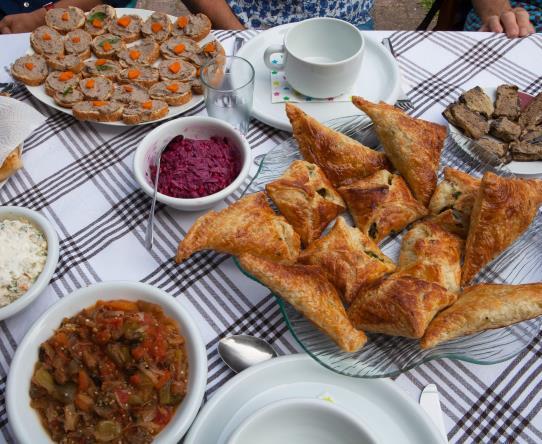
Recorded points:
(79, 176)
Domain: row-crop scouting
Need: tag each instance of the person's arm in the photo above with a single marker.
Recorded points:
(28, 21)
(499, 16)
(222, 17)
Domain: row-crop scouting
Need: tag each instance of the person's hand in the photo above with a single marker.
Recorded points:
(24, 22)
(514, 22)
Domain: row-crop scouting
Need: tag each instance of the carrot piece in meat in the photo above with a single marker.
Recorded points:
(46, 36)
(182, 21)
(173, 87)
(107, 46)
(99, 103)
(90, 83)
(209, 47)
(101, 62)
(29, 66)
(65, 75)
(147, 104)
(76, 39)
(133, 73)
(174, 67)
(179, 48)
(65, 16)
(124, 21)
(156, 27)
(134, 54)
(97, 23)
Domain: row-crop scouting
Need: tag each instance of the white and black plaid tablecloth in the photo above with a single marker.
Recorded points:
(79, 176)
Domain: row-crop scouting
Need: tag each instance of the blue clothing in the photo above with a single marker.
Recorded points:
(533, 7)
(266, 14)
(8, 7)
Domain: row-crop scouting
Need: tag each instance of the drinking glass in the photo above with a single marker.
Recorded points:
(228, 84)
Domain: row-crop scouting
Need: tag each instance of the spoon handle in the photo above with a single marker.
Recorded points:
(149, 233)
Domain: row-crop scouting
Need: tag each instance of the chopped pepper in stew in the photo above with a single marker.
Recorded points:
(114, 373)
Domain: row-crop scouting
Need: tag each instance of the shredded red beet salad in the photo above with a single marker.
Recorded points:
(196, 168)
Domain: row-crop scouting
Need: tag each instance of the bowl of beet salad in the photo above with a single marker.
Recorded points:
(204, 160)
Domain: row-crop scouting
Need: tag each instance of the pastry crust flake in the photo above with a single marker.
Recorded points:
(452, 201)
(482, 307)
(412, 145)
(399, 306)
(306, 288)
(306, 198)
(349, 259)
(431, 253)
(381, 203)
(343, 159)
(504, 208)
(247, 226)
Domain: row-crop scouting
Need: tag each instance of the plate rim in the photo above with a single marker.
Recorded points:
(197, 99)
(289, 360)
(271, 120)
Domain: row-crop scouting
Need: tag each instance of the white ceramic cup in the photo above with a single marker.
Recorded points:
(321, 56)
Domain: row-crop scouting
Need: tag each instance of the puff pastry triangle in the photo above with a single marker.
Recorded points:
(306, 198)
(343, 159)
(348, 257)
(247, 226)
(431, 253)
(504, 208)
(399, 306)
(482, 307)
(307, 289)
(452, 201)
(412, 145)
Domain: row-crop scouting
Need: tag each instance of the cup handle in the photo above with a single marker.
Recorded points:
(273, 49)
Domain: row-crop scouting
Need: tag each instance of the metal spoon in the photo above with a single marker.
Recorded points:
(242, 351)
(149, 232)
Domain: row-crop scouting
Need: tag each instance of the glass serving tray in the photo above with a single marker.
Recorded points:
(386, 356)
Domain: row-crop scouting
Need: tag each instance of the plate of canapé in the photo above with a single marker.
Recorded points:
(118, 66)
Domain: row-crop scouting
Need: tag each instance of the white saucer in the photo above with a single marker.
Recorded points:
(390, 415)
(379, 80)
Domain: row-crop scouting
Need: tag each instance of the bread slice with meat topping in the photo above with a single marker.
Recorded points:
(145, 76)
(157, 27)
(193, 26)
(127, 27)
(146, 52)
(66, 19)
(96, 88)
(78, 42)
(101, 67)
(173, 92)
(69, 97)
(130, 93)
(144, 112)
(179, 46)
(30, 70)
(99, 18)
(46, 41)
(60, 80)
(107, 46)
(98, 111)
(65, 62)
(177, 69)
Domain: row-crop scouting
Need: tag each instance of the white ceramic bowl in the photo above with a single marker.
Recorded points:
(24, 420)
(302, 421)
(194, 127)
(42, 224)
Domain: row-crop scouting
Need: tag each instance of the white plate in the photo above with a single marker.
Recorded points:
(379, 79)
(39, 91)
(24, 420)
(520, 168)
(390, 415)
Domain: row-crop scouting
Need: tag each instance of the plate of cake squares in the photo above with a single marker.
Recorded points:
(386, 244)
(500, 125)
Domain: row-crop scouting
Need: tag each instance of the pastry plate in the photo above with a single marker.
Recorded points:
(39, 91)
(390, 415)
(385, 356)
(379, 79)
(466, 143)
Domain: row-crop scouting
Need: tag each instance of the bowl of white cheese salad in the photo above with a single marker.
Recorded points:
(28, 257)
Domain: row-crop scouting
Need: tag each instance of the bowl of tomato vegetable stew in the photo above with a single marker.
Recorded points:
(117, 362)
